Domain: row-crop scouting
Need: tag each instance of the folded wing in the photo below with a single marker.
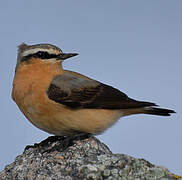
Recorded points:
(75, 91)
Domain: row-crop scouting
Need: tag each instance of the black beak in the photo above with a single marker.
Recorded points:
(64, 56)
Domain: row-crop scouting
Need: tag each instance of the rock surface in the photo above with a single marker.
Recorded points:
(84, 159)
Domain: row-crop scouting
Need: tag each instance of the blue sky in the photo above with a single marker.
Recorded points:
(135, 46)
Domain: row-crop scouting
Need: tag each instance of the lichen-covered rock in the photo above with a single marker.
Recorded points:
(85, 159)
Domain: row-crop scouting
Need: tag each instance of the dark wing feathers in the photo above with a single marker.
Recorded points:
(79, 92)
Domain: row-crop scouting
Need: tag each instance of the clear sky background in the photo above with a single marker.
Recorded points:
(135, 46)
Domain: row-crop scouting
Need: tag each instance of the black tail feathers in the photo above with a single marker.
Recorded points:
(158, 111)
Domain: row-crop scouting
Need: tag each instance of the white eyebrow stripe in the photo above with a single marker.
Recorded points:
(33, 51)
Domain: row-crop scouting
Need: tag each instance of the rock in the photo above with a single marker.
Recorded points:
(84, 159)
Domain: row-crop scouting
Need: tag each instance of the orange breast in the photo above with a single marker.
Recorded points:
(29, 89)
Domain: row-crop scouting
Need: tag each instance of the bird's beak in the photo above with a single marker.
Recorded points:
(64, 56)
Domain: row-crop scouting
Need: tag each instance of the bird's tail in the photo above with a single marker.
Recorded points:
(148, 110)
(157, 111)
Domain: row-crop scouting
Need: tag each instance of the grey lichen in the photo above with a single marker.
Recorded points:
(87, 159)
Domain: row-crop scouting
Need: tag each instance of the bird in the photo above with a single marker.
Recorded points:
(66, 103)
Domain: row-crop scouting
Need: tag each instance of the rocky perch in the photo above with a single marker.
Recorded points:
(83, 159)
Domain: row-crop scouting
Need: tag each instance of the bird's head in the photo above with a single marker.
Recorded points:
(43, 52)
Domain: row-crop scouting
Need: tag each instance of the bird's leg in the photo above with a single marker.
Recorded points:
(45, 142)
(63, 142)
(81, 136)
(50, 140)
(68, 141)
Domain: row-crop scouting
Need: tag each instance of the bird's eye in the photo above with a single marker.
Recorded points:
(39, 53)
(42, 55)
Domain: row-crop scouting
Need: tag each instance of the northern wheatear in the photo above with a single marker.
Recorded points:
(67, 103)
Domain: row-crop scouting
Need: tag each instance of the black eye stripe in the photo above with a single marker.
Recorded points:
(45, 55)
(41, 55)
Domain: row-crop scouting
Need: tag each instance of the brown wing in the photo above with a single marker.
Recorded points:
(77, 92)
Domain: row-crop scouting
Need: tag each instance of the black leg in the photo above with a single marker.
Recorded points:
(64, 142)
(68, 141)
(45, 142)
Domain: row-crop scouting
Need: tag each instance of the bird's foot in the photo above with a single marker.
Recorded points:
(67, 141)
(45, 142)
(62, 143)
